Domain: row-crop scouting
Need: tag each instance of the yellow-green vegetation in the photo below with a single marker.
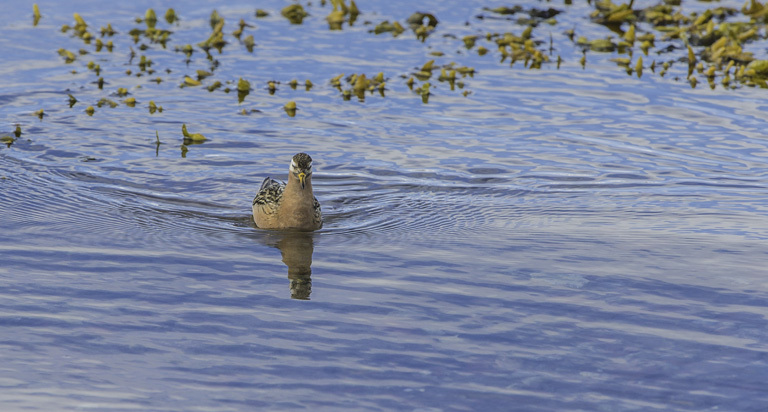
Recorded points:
(422, 24)
(386, 27)
(216, 38)
(68, 56)
(359, 84)
(717, 44)
(193, 137)
(215, 85)
(154, 108)
(243, 85)
(290, 108)
(188, 81)
(342, 13)
(106, 102)
(249, 43)
(170, 16)
(8, 140)
(243, 89)
(295, 13)
(35, 14)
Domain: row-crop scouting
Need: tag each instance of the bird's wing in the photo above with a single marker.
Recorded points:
(270, 193)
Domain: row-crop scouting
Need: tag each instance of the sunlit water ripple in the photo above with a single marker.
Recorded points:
(556, 240)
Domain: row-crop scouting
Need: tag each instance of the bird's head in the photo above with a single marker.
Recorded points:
(301, 168)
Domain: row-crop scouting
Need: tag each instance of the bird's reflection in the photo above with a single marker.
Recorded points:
(297, 248)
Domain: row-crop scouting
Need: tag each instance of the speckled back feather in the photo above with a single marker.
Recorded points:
(270, 193)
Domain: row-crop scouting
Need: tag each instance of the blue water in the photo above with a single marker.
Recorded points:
(576, 239)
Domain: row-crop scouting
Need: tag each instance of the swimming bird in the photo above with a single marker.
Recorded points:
(289, 206)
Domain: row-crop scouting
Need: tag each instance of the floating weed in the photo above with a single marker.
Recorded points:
(191, 137)
(342, 13)
(35, 15)
(8, 140)
(422, 24)
(386, 27)
(295, 13)
(272, 87)
(186, 49)
(216, 39)
(150, 18)
(80, 25)
(202, 74)
(290, 108)
(336, 81)
(360, 84)
(469, 41)
(240, 27)
(622, 61)
(715, 45)
(214, 86)
(188, 81)
(106, 102)
(170, 16)
(243, 89)
(107, 31)
(608, 14)
(249, 43)
(68, 56)
(215, 19)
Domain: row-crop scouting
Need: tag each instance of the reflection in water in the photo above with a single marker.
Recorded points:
(297, 248)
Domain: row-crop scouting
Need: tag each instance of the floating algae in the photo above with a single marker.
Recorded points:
(193, 137)
(290, 108)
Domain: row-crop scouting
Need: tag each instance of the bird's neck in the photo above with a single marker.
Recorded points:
(294, 186)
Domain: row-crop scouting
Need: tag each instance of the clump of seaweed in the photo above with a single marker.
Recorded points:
(342, 13)
(422, 24)
(295, 13)
(191, 137)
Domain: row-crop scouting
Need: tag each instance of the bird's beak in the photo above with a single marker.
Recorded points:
(302, 176)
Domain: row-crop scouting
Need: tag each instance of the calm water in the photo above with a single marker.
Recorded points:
(572, 239)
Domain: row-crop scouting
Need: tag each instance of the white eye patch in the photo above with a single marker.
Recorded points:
(295, 168)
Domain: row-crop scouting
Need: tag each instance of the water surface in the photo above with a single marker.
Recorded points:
(572, 239)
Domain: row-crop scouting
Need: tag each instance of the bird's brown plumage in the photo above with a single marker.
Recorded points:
(290, 206)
